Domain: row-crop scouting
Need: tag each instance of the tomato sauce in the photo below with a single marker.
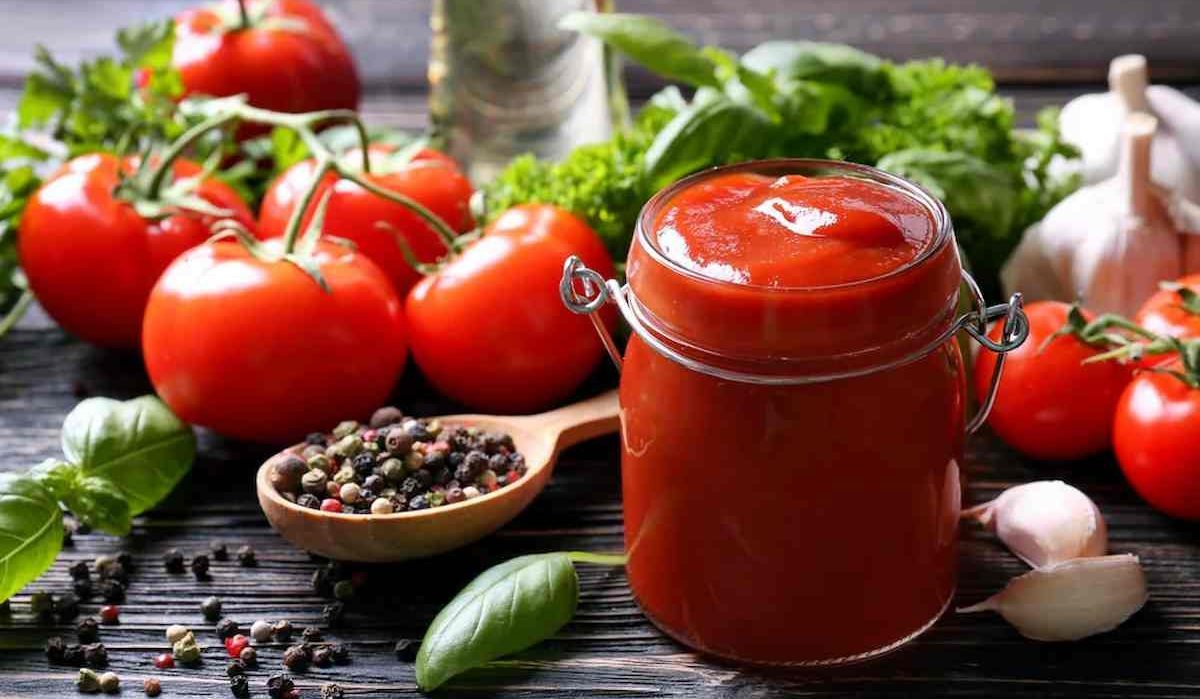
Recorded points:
(792, 496)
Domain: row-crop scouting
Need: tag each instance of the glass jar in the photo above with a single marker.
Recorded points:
(791, 455)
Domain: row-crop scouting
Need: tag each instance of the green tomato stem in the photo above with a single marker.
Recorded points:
(158, 176)
(292, 232)
(16, 312)
(244, 14)
(445, 233)
(604, 559)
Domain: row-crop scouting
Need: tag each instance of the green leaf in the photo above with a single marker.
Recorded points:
(855, 70)
(93, 499)
(508, 608)
(712, 131)
(138, 445)
(985, 194)
(31, 532)
(651, 43)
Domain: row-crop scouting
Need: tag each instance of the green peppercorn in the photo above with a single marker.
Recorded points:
(185, 649)
(320, 462)
(343, 590)
(344, 475)
(393, 470)
(88, 681)
(41, 604)
(314, 481)
(345, 429)
(211, 608)
(349, 447)
(175, 632)
(371, 448)
(110, 683)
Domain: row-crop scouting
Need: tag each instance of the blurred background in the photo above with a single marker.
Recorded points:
(1025, 43)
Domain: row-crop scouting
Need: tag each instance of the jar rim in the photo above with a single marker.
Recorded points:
(943, 226)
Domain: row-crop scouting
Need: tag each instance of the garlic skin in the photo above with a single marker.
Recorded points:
(1108, 244)
(1045, 523)
(1092, 123)
(1071, 600)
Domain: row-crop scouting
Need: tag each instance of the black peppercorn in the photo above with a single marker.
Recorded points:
(246, 556)
(235, 667)
(321, 583)
(374, 483)
(329, 690)
(418, 502)
(398, 442)
(112, 591)
(41, 604)
(332, 614)
(200, 567)
(282, 630)
(67, 606)
(226, 627)
(112, 570)
(73, 656)
(406, 650)
(87, 629)
(387, 415)
(363, 464)
(126, 560)
(56, 649)
(220, 552)
(211, 608)
(322, 657)
(340, 653)
(311, 634)
(410, 486)
(80, 571)
(316, 438)
(278, 685)
(297, 658)
(95, 654)
(310, 501)
(240, 686)
(424, 478)
(173, 561)
(83, 588)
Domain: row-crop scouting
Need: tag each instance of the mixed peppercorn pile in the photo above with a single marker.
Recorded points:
(395, 463)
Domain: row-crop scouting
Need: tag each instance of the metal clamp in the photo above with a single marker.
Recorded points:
(584, 292)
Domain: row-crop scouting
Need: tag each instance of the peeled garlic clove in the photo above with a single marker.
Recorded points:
(1045, 522)
(1071, 600)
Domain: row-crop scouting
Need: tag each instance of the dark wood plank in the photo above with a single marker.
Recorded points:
(1020, 40)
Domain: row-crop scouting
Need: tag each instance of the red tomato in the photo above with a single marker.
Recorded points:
(91, 259)
(256, 350)
(1165, 314)
(290, 59)
(431, 179)
(1050, 405)
(1156, 437)
(489, 329)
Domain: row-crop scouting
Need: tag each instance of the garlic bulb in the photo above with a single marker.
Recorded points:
(1045, 523)
(1109, 244)
(1092, 123)
(1071, 600)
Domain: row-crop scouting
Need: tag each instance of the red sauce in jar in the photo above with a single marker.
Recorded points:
(812, 520)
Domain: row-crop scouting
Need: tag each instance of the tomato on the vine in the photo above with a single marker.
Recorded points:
(1050, 405)
(1173, 311)
(489, 329)
(91, 258)
(252, 347)
(371, 222)
(1156, 438)
(284, 55)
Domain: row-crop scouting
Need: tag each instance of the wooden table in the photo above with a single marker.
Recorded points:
(609, 649)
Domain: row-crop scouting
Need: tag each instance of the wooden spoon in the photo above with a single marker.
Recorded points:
(404, 535)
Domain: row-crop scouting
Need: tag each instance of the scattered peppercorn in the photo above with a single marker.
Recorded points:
(164, 661)
(340, 653)
(176, 632)
(56, 649)
(110, 683)
(249, 656)
(236, 667)
(41, 604)
(261, 631)
(297, 658)
(312, 634)
(226, 628)
(332, 614)
(83, 588)
(329, 690)
(80, 571)
(406, 650)
(279, 685)
(186, 650)
(112, 591)
(234, 645)
(67, 606)
(87, 629)
(151, 686)
(282, 630)
(95, 654)
(343, 590)
(246, 556)
(200, 567)
(110, 614)
(220, 552)
(239, 686)
(173, 561)
(322, 657)
(88, 681)
(211, 608)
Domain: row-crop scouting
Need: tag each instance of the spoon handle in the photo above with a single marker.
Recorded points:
(582, 421)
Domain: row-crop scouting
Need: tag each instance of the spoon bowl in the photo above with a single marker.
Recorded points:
(405, 535)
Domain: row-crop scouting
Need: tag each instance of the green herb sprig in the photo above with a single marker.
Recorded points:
(120, 458)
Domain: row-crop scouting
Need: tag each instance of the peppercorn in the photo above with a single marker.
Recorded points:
(319, 462)
(246, 557)
(322, 657)
(56, 649)
(454, 495)
(350, 493)
(332, 613)
(392, 470)
(112, 591)
(80, 571)
(164, 661)
(316, 438)
(95, 654)
(151, 686)
(67, 606)
(88, 681)
(406, 650)
(287, 471)
(314, 482)
(239, 685)
(110, 683)
(311, 634)
(110, 614)
(345, 448)
(220, 552)
(235, 643)
(331, 505)
(261, 631)
(410, 486)
(235, 667)
(87, 629)
(374, 483)
(345, 428)
(282, 630)
(387, 415)
(344, 475)
(312, 502)
(200, 567)
(418, 502)
(340, 653)
(382, 506)
(211, 608)
(363, 464)
(297, 658)
(83, 588)
(173, 561)
(416, 430)
(343, 590)
(414, 459)
(226, 628)
(278, 685)
(176, 632)
(113, 571)
(41, 604)
(471, 492)
(249, 656)
(186, 650)
(398, 442)
(329, 690)
(487, 480)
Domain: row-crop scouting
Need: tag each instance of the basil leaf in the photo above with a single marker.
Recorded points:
(846, 66)
(31, 532)
(651, 43)
(93, 499)
(713, 130)
(138, 445)
(508, 608)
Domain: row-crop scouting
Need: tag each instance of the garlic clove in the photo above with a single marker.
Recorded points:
(1072, 600)
(1045, 523)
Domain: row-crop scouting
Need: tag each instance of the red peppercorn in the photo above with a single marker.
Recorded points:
(331, 505)
(235, 644)
(110, 613)
(164, 661)
(292, 693)
(370, 436)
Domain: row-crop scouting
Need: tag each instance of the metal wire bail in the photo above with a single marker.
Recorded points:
(592, 294)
